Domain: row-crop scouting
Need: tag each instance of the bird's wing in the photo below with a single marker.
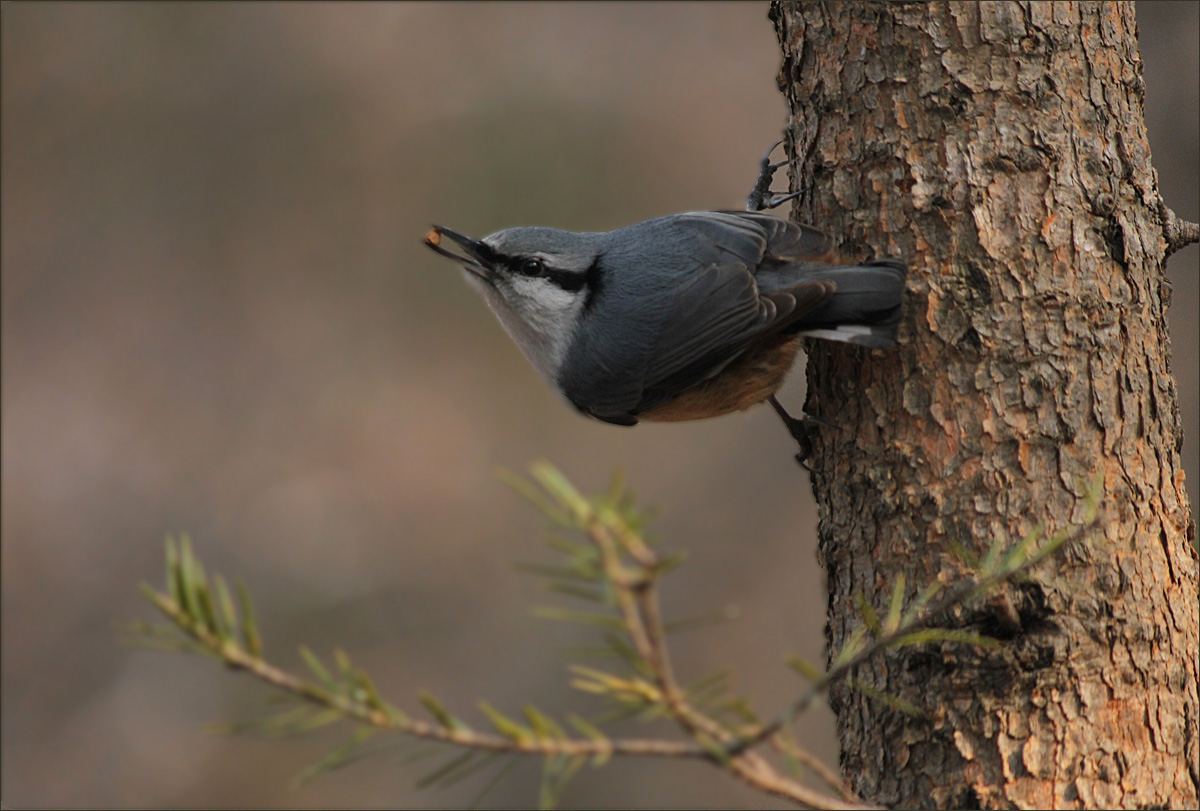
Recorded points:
(723, 312)
(678, 335)
(697, 328)
(713, 321)
(750, 237)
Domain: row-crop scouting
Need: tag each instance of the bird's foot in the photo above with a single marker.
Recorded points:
(802, 430)
(761, 197)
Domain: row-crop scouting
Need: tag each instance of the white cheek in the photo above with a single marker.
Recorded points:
(540, 318)
(548, 308)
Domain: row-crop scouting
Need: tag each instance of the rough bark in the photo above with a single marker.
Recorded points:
(1000, 148)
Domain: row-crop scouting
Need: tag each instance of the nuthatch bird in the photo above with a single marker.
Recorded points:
(680, 317)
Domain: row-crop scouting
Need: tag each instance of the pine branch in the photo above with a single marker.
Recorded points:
(617, 560)
(233, 655)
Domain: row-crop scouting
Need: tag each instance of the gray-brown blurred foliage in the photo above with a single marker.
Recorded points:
(218, 317)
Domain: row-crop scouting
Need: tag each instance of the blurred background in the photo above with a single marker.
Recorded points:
(218, 317)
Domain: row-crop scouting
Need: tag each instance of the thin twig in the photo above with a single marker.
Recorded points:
(638, 601)
(1177, 233)
(815, 765)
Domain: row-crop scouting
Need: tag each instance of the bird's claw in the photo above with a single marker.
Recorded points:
(761, 197)
(801, 430)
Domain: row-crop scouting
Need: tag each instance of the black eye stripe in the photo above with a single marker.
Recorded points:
(594, 279)
(569, 280)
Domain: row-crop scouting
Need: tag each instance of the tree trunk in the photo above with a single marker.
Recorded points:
(1000, 148)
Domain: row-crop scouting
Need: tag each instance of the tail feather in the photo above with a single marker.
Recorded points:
(875, 336)
(866, 308)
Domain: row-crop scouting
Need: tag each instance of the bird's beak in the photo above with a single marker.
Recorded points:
(477, 256)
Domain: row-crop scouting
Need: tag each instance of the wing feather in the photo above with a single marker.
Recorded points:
(722, 316)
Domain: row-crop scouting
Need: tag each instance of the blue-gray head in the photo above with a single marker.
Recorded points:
(537, 281)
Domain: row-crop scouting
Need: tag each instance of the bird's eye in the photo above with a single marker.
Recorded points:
(533, 267)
